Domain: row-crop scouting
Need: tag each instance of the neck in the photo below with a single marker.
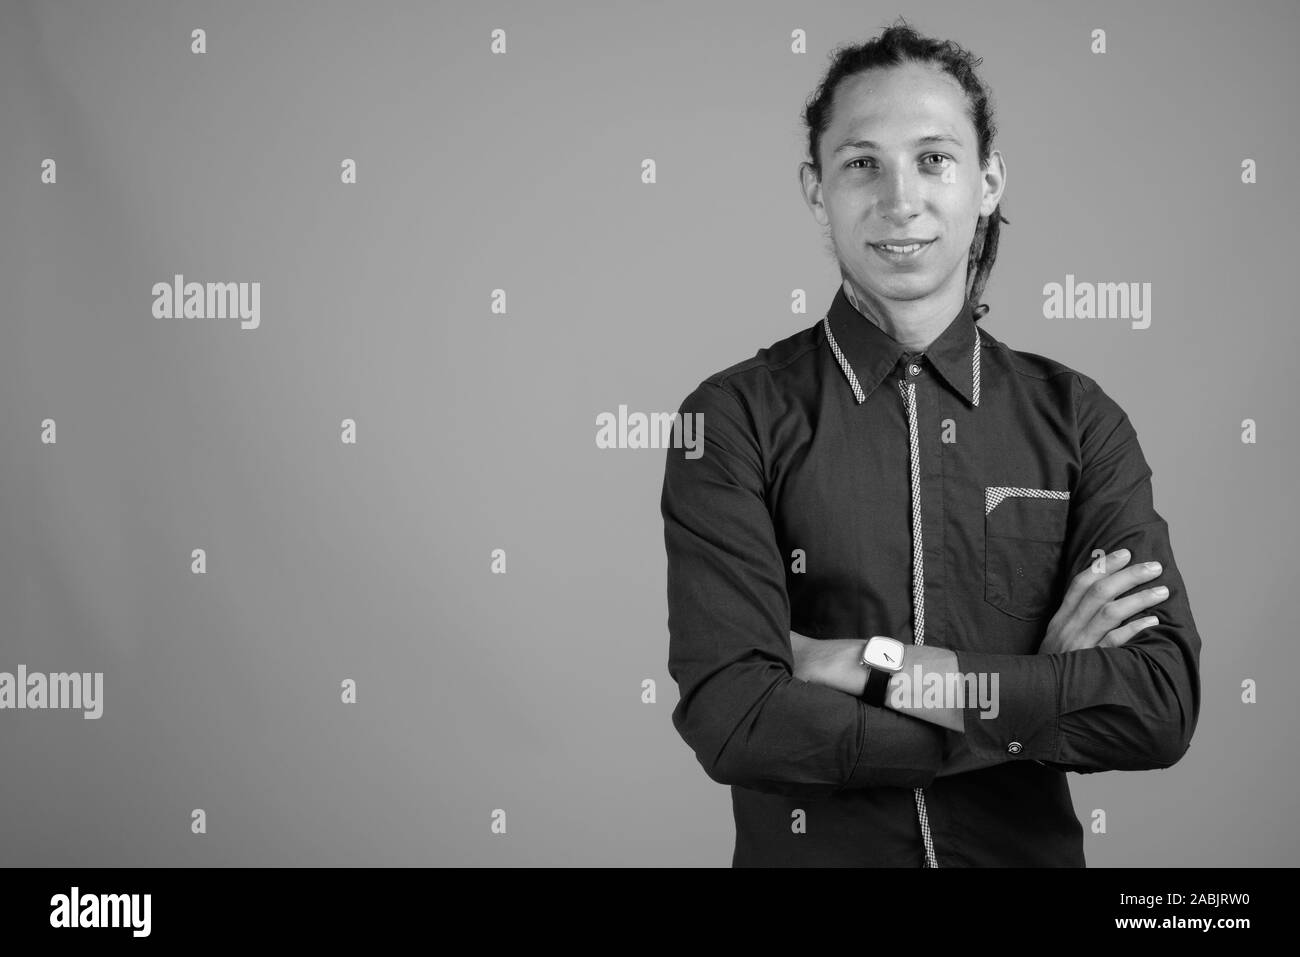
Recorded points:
(913, 324)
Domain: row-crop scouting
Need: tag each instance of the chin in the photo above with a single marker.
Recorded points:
(904, 287)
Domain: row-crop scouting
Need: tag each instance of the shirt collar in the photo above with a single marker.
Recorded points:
(867, 354)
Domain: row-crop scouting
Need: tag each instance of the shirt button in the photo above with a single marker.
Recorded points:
(914, 369)
(1014, 747)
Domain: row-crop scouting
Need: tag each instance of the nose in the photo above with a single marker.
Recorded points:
(900, 195)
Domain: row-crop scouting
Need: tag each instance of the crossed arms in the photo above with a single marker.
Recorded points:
(772, 711)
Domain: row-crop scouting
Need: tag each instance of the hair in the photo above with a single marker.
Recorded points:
(899, 44)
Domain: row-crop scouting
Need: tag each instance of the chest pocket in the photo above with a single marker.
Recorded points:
(1024, 535)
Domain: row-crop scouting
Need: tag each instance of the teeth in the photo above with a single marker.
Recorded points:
(901, 249)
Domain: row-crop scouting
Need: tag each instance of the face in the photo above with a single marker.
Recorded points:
(900, 161)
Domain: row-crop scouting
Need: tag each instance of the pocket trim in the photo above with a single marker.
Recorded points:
(994, 494)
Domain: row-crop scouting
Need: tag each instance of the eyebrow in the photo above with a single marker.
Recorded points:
(923, 141)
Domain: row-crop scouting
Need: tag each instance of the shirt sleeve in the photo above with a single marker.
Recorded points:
(1128, 708)
(749, 721)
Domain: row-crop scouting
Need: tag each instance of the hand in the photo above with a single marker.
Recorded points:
(1090, 612)
(834, 662)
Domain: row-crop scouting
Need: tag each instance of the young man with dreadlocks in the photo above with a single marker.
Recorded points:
(905, 595)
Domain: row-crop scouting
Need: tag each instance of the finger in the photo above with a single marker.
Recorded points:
(1137, 574)
(1122, 609)
(1083, 582)
(1118, 636)
(1114, 584)
(1113, 613)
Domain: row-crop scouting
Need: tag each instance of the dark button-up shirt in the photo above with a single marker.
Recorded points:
(800, 515)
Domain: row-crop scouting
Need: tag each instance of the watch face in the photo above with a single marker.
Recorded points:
(883, 653)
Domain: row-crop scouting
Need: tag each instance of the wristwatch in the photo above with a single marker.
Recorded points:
(883, 658)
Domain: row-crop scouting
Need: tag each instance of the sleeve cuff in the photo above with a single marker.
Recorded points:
(897, 750)
(1019, 717)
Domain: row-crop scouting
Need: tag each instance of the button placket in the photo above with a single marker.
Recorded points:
(908, 391)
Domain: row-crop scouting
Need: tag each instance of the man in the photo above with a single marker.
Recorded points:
(893, 482)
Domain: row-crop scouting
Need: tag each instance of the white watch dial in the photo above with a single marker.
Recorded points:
(883, 653)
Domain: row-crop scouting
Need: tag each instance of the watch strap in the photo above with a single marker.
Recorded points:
(877, 685)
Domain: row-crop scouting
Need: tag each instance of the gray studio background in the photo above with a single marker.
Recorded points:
(325, 561)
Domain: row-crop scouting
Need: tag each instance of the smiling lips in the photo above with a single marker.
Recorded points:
(902, 250)
(903, 245)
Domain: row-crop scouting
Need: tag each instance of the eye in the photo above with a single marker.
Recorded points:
(945, 160)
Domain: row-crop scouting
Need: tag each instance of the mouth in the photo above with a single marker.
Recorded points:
(902, 252)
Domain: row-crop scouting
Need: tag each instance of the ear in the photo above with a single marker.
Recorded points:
(810, 186)
(994, 183)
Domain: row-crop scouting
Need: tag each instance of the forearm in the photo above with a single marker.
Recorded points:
(924, 688)
(1127, 708)
(915, 691)
(959, 758)
(757, 726)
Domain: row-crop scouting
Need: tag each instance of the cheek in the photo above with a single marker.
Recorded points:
(842, 231)
(961, 217)
(845, 203)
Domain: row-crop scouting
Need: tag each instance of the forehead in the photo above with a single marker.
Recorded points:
(894, 102)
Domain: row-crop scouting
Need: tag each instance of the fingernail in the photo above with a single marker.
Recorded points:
(1161, 590)
(1153, 566)
(1122, 553)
